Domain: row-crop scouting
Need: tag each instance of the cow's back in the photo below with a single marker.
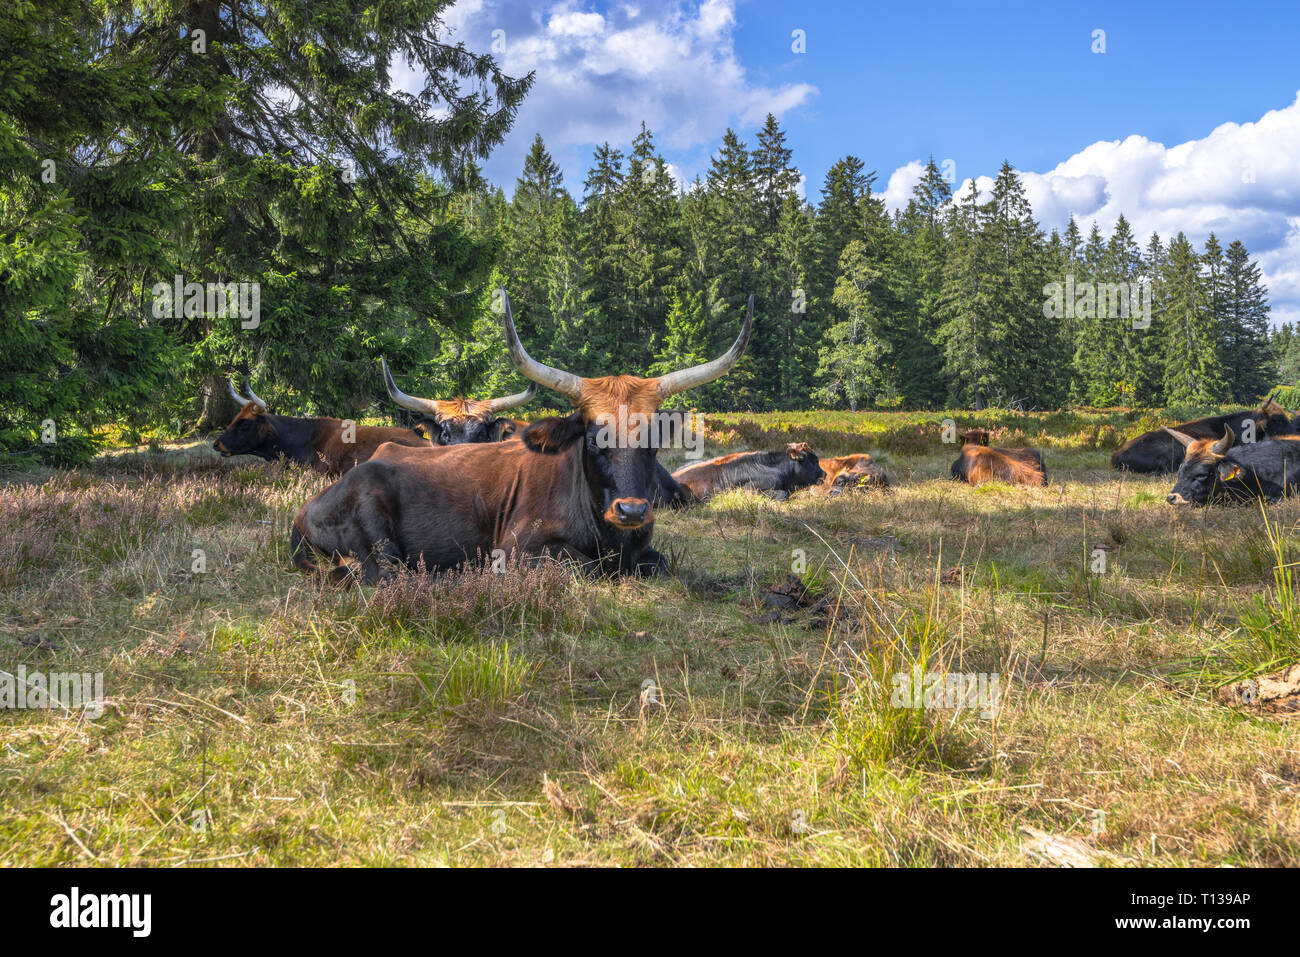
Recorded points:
(1158, 452)
(978, 464)
(702, 479)
(339, 456)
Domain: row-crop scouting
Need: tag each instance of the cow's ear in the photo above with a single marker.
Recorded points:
(553, 434)
(1228, 471)
(502, 429)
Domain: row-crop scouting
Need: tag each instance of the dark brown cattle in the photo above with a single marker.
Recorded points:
(848, 472)
(1157, 451)
(456, 421)
(322, 444)
(833, 467)
(780, 472)
(571, 488)
(977, 463)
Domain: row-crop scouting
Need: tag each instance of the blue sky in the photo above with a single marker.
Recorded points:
(1016, 81)
(1189, 119)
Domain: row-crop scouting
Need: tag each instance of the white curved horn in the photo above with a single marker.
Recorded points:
(565, 383)
(236, 396)
(684, 379)
(412, 402)
(510, 401)
(248, 387)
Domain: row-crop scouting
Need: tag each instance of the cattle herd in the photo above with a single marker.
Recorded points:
(467, 482)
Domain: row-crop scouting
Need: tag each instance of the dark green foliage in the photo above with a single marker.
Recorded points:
(139, 144)
(135, 149)
(1248, 361)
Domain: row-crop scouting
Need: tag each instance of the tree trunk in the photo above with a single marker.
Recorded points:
(218, 408)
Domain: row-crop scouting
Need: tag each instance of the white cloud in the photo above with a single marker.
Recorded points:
(574, 24)
(1242, 181)
(901, 183)
(670, 64)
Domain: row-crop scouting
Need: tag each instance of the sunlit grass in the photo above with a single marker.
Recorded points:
(506, 719)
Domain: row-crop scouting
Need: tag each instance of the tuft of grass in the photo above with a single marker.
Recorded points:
(523, 595)
(485, 676)
(868, 722)
(1267, 636)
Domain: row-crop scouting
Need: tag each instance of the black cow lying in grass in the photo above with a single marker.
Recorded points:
(1158, 452)
(781, 472)
(322, 444)
(1219, 471)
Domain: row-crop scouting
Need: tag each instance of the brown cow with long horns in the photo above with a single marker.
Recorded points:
(456, 421)
(578, 486)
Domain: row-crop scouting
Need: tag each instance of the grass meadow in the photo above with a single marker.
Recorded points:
(256, 716)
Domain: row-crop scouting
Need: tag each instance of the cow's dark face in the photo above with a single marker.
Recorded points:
(250, 433)
(1204, 476)
(624, 467)
(626, 475)
(623, 473)
(460, 430)
(462, 421)
(807, 468)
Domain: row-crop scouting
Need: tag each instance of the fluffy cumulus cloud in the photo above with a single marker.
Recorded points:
(1242, 181)
(600, 74)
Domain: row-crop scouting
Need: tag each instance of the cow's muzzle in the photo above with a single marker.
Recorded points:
(628, 513)
(1175, 499)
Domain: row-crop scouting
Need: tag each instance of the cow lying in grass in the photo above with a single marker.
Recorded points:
(780, 472)
(847, 472)
(1158, 452)
(329, 446)
(977, 463)
(1218, 471)
(457, 421)
(572, 488)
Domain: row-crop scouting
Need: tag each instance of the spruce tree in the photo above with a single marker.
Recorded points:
(1248, 364)
(967, 307)
(918, 262)
(850, 365)
(602, 262)
(649, 243)
(838, 220)
(530, 239)
(1149, 342)
(1193, 372)
(783, 227)
(1033, 344)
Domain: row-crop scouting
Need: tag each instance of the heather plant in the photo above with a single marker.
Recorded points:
(477, 600)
